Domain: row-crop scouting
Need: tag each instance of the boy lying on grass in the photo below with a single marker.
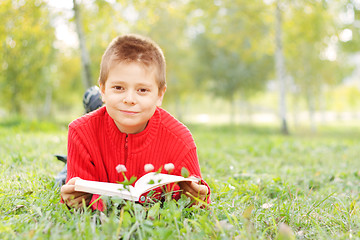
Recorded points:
(131, 130)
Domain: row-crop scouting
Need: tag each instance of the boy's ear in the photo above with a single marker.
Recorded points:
(161, 96)
(102, 91)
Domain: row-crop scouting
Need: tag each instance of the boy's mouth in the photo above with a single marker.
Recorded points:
(128, 112)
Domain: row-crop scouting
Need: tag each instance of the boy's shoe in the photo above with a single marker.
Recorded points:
(60, 179)
(62, 158)
(92, 99)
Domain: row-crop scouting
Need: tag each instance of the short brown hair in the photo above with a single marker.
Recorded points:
(134, 48)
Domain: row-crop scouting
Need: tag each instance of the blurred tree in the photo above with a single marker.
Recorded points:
(280, 68)
(234, 47)
(26, 57)
(310, 52)
(85, 58)
(166, 22)
(227, 74)
(349, 19)
(96, 37)
(69, 87)
(98, 34)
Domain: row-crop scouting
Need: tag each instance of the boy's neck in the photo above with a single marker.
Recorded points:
(133, 130)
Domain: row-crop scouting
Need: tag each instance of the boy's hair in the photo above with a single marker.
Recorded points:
(134, 48)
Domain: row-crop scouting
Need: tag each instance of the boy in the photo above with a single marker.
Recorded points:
(131, 130)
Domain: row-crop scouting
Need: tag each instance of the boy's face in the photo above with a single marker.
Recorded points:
(131, 95)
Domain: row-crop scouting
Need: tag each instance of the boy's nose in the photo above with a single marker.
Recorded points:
(129, 98)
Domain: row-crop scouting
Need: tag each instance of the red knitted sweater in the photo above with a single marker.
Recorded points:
(96, 147)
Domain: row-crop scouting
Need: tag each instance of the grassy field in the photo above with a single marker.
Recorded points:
(264, 186)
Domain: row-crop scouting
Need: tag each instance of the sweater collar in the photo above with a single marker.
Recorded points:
(138, 141)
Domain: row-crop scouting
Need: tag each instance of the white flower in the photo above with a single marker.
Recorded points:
(169, 166)
(267, 205)
(120, 168)
(148, 167)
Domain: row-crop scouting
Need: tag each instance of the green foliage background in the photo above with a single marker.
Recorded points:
(219, 49)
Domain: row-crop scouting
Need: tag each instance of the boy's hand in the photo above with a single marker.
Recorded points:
(74, 198)
(193, 189)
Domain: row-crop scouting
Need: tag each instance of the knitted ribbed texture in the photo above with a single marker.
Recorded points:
(96, 147)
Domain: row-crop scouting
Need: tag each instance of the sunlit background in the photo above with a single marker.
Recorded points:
(238, 61)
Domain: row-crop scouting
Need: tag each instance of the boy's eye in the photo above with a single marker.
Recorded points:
(118, 88)
(143, 90)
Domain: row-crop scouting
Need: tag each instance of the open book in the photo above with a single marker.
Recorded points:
(144, 184)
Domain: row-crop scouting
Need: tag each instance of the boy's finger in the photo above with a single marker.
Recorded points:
(81, 195)
(68, 189)
(72, 181)
(197, 189)
(76, 200)
(201, 189)
(194, 189)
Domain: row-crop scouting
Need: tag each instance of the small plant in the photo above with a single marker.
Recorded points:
(122, 169)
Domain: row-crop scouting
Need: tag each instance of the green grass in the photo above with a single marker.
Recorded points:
(264, 186)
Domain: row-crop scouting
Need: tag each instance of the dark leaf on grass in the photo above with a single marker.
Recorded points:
(28, 193)
(285, 232)
(248, 211)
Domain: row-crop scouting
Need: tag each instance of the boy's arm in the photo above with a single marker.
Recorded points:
(79, 160)
(191, 163)
(74, 198)
(80, 165)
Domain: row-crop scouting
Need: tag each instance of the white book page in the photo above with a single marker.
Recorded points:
(108, 189)
(153, 180)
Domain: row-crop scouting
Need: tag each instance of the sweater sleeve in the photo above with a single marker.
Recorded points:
(79, 159)
(191, 163)
(80, 164)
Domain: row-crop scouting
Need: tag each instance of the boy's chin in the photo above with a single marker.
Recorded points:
(131, 129)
